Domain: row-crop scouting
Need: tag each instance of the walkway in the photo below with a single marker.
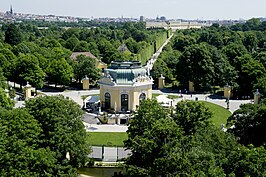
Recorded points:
(154, 57)
(76, 96)
(233, 106)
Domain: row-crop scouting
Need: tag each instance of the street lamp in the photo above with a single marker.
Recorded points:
(256, 96)
(227, 102)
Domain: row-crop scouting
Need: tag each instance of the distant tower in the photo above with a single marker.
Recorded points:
(11, 10)
(141, 18)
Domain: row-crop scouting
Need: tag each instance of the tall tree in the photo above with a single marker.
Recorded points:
(192, 115)
(5, 101)
(248, 124)
(196, 65)
(62, 128)
(27, 69)
(13, 35)
(60, 72)
(19, 149)
(86, 66)
(160, 67)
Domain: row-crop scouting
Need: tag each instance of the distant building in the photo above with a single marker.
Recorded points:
(174, 25)
(124, 85)
(99, 64)
(162, 18)
(141, 19)
(10, 13)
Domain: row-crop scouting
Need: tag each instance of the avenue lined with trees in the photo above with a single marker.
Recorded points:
(217, 56)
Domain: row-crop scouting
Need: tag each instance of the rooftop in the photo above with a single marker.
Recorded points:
(125, 65)
(125, 73)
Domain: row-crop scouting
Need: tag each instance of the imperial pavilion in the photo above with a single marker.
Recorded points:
(124, 85)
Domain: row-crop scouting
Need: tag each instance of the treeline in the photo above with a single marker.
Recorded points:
(39, 55)
(217, 56)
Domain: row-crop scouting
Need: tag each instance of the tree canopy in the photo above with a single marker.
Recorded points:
(35, 140)
(184, 143)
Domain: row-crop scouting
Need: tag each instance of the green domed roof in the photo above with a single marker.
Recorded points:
(126, 73)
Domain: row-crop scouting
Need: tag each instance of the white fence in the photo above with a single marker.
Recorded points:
(109, 154)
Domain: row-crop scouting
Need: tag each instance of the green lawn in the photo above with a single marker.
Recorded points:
(220, 114)
(107, 138)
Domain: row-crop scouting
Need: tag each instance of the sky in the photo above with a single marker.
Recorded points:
(171, 9)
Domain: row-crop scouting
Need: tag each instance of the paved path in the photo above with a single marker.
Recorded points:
(154, 57)
(234, 104)
(76, 96)
(105, 128)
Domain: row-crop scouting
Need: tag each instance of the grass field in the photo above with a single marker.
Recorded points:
(107, 138)
(220, 114)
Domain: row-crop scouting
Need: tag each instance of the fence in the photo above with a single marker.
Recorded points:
(109, 154)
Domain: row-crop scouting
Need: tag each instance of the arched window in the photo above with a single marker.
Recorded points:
(107, 100)
(142, 97)
(124, 102)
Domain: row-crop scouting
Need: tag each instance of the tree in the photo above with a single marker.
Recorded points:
(250, 41)
(60, 72)
(4, 63)
(150, 135)
(5, 101)
(3, 83)
(181, 41)
(85, 66)
(224, 72)
(171, 58)
(7, 59)
(13, 35)
(196, 65)
(249, 72)
(160, 67)
(246, 161)
(183, 143)
(19, 150)
(21, 48)
(261, 57)
(49, 43)
(71, 43)
(234, 50)
(82, 46)
(27, 69)
(248, 124)
(191, 115)
(62, 128)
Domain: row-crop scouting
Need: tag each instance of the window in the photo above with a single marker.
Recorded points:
(107, 99)
(124, 102)
(142, 97)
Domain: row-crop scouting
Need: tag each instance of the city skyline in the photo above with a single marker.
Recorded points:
(171, 9)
